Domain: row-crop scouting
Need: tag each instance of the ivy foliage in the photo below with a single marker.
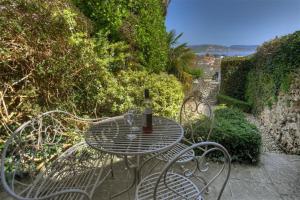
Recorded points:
(137, 22)
(276, 62)
(234, 76)
(261, 78)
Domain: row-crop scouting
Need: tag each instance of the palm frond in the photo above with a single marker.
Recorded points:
(181, 58)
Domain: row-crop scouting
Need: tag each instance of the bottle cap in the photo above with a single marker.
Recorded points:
(146, 93)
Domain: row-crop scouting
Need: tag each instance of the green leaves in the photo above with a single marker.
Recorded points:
(276, 62)
(138, 24)
(232, 102)
(166, 92)
(235, 133)
(234, 76)
(96, 66)
(260, 79)
(181, 60)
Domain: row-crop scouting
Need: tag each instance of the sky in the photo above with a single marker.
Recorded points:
(232, 22)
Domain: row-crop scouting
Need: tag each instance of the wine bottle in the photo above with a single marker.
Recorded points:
(147, 116)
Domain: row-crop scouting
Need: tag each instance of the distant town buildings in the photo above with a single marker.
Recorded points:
(210, 66)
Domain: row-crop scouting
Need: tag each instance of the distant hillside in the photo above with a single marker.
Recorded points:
(244, 47)
(207, 47)
(224, 50)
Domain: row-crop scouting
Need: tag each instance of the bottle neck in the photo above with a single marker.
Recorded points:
(147, 94)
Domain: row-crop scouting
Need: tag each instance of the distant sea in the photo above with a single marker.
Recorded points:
(228, 53)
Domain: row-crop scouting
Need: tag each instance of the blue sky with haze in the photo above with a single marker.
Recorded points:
(229, 22)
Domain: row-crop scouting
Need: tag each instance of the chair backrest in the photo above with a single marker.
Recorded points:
(196, 112)
(35, 145)
(200, 165)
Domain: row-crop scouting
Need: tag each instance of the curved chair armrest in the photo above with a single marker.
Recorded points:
(201, 146)
(37, 142)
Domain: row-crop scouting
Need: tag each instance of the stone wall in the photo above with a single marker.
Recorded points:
(282, 120)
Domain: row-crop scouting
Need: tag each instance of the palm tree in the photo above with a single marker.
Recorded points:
(181, 59)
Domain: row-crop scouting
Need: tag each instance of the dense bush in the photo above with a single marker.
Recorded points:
(139, 23)
(275, 63)
(232, 102)
(235, 133)
(234, 76)
(51, 58)
(165, 90)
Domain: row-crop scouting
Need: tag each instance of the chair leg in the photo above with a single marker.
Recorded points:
(111, 166)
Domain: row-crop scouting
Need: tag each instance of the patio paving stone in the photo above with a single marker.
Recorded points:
(276, 177)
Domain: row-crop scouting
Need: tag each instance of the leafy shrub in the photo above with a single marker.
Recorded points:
(232, 102)
(139, 23)
(234, 76)
(52, 59)
(58, 64)
(235, 133)
(275, 63)
(165, 90)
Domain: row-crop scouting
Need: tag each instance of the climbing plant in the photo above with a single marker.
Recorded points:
(234, 76)
(274, 65)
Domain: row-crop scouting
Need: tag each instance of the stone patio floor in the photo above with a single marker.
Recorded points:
(276, 177)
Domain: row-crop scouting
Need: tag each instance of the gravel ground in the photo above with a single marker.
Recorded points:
(268, 142)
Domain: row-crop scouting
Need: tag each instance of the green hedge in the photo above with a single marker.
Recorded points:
(259, 79)
(276, 62)
(232, 102)
(235, 133)
(234, 72)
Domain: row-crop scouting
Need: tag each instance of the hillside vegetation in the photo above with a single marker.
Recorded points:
(95, 61)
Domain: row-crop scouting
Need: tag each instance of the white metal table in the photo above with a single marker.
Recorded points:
(110, 136)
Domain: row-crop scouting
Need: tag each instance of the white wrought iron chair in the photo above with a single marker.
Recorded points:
(194, 110)
(47, 158)
(169, 184)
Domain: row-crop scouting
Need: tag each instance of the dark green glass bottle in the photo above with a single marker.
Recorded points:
(147, 115)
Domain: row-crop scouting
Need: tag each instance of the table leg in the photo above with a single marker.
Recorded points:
(138, 170)
(111, 166)
(135, 177)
